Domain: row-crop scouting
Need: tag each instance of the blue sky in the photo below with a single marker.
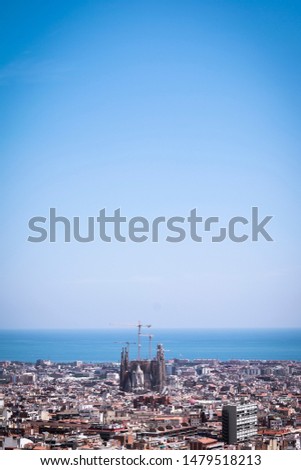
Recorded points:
(156, 107)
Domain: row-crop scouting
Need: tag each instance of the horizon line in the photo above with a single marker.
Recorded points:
(153, 328)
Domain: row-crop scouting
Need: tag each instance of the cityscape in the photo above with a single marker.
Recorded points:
(150, 403)
(150, 168)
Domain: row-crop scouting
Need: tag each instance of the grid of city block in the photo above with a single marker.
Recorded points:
(151, 403)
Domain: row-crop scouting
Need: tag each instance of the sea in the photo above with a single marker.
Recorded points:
(105, 345)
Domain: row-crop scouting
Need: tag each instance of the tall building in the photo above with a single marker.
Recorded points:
(239, 422)
(140, 376)
(2, 411)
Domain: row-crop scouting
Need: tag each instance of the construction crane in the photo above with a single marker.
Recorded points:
(150, 348)
(139, 326)
(125, 342)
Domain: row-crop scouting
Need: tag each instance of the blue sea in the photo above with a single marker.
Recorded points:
(105, 345)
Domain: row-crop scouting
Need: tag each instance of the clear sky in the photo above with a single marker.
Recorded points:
(154, 107)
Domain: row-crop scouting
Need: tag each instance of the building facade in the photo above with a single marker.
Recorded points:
(140, 376)
(239, 422)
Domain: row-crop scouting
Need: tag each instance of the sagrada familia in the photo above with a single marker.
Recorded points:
(144, 375)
